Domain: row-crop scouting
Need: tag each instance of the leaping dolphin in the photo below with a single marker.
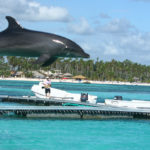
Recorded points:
(18, 41)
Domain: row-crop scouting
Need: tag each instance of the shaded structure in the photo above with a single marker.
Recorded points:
(67, 76)
(37, 74)
(19, 74)
(79, 77)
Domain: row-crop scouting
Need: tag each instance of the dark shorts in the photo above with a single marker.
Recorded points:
(47, 90)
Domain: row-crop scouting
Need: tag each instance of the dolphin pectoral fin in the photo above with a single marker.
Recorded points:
(50, 61)
(42, 59)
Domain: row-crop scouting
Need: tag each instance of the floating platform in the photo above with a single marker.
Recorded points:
(69, 112)
(53, 101)
(60, 108)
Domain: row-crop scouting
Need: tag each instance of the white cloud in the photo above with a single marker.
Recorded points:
(86, 46)
(134, 47)
(104, 16)
(110, 49)
(136, 42)
(117, 26)
(33, 11)
(118, 39)
(82, 28)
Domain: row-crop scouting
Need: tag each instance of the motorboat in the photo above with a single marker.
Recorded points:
(118, 102)
(39, 91)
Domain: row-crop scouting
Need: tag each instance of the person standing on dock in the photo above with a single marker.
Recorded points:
(47, 85)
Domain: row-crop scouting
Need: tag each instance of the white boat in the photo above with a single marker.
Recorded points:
(39, 92)
(128, 104)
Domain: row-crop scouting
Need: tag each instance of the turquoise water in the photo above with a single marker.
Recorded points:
(17, 133)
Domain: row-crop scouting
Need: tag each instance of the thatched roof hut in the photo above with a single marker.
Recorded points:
(79, 77)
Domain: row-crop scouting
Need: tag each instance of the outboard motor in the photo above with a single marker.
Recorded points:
(84, 97)
(118, 98)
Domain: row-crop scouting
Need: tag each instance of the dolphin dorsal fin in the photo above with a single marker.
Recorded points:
(12, 24)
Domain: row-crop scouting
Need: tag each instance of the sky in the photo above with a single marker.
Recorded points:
(105, 29)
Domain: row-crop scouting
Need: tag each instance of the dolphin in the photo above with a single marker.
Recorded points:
(18, 41)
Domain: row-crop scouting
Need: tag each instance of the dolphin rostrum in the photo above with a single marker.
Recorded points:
(18, 41)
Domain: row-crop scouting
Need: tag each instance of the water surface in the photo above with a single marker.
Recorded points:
(17, 133)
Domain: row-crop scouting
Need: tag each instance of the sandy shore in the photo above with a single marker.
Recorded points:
(74, 81)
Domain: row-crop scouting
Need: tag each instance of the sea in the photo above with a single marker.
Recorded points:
(21, 133)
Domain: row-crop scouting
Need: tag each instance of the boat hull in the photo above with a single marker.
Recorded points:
(57, 93)
(129, 104)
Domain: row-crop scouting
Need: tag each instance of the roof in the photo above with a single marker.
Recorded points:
(37, 74)
(19, 73)
(79, 77)
(67, 74)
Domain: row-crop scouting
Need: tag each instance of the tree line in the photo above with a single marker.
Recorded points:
(94, 70)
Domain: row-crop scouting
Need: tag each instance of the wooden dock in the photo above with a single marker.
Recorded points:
(100, 112)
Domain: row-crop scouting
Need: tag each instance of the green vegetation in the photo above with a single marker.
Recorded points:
(93, 70)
